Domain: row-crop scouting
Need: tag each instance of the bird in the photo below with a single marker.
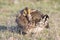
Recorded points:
(46, 20)
(32, 15)
(27, 19)
(36, 16)
(22, 23)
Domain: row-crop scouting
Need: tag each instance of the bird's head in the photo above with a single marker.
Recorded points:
(26, 11)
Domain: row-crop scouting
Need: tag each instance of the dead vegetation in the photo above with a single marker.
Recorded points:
(8, 11)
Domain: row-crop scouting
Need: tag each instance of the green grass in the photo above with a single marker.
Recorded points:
(8, 11)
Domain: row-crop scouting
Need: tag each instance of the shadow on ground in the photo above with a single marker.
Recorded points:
(3, 28)
(11, 29)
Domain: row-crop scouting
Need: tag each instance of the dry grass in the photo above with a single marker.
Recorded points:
(9, 8)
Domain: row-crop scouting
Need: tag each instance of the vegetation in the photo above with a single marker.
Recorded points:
(9, 9)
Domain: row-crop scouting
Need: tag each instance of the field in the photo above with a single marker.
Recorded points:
(9, 9)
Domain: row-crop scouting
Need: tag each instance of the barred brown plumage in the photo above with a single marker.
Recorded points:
(27, 20)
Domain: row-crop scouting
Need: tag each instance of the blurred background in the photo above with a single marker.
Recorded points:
(9, 9)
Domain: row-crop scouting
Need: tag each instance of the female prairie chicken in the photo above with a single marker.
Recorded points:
(28, 18)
